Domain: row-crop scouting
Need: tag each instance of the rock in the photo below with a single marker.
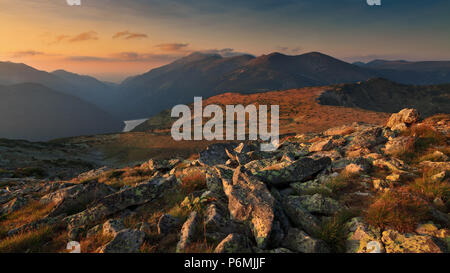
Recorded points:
(319, 204)
(441, 176)
(215, 221)
(112, 227)
(233, 243)
(302, 188)
(298, 241)
(397, 145)
(250, 201)
(125, 241)
(341, 130)
(380, 184)
(402, 118)
(167, 223)
(76, 198)
(440, 166)
(215, 154)
(398, 243)
(14, 205)
(213, 182)
(360, 236)
(188, 232)
(160, 164)
(137, 195)
(94, 230)
(92, 173)
(280, 250)
(301, 217)
(323, 145)
(298, 171)
(366, 139)
(257, 165)
(354, 169)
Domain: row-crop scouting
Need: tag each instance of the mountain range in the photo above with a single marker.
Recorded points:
(208, 75)
(35, 112)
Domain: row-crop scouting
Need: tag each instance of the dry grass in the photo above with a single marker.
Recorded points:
(429, 188)
(398, 209)
(30, 213)
(334, 231)
(47, 239)
(92, 243)
(193, 182)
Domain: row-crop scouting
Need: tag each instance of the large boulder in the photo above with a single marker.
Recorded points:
(300, 216)
(323, 145)
(132, 196)
(398, 243)
(76, 198)
(216, 154)
(234, 243)
(250, 201)
(125, 241)
(402, 119)
(112, 227)
(397, 145)
(188, 232)
(298, 241)
(319, 204)
(298, 171)
(167, 223)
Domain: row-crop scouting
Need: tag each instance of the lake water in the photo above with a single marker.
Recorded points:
(131, 124)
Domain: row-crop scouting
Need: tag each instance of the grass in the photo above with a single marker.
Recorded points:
(40, 240)
(29, 172)
(194, 181)
(398, 209)
(424, 138)
(30, 213)
(429, 188)
(92, 243)
(334, 231)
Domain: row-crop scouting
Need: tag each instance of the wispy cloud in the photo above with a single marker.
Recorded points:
(129, 35)
(289, 50)
(85, 36)
(172, 46)
(27, 53)
(224, 52)
(125, 57)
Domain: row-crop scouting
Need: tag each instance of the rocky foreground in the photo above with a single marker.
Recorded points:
(356, 188)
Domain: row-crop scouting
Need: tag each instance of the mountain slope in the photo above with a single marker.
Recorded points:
(208, 75)
(386, 96)
(34, 112)
(428, 72)
(84, 87)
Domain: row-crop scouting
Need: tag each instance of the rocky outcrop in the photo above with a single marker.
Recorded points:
(300, 216)
(188, 232)
(140, 194)
(250, 201)
(125, 241)
(401, 120)
(396, 242)
(233, 243)
(300, 170)
(298, 241)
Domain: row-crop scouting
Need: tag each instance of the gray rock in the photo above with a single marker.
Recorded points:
(299, 216)
(319, 204)
(138, 195)
(125, 241)
(300, 170)
(298, 241)
(215, 154)
(250, 201)
(188, 232)
(76, 198)
(112, 227)
(234, 243)
(167, 223)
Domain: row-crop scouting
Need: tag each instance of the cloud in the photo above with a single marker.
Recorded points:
(27, 53)
(129, 35)
(125, 57)
(224, 52)
(172, 46)
(85, 36)
(289, 50)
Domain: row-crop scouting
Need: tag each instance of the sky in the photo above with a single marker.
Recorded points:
(114, 39)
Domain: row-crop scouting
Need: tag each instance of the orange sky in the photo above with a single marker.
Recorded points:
(113, 39)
